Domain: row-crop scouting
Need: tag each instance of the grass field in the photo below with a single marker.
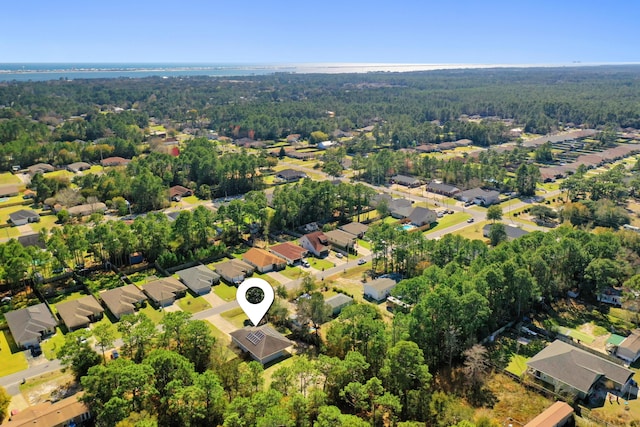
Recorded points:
(11, 360)
(11, 200)
(9, 232)
(62, 173)
(47, 221)
(474, 232)
(268, 372)
(236, 317)
(517, 365)
(192, 304)
(514, 401)
(224, 291)
(364, 244)
(51, 346)
(292, 273)
(449, 220)
(156, 316)
(6, 211)
(573, 333)
(9, 178)
(273, 282)
(319, 264)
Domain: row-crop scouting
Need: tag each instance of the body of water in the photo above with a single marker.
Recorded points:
(54, 71)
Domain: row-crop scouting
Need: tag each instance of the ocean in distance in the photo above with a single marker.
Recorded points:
(71, 71)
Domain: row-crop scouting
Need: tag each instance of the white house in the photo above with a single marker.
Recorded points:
(379, 289)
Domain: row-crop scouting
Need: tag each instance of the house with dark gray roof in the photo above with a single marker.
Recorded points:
(30, 325)
(512, 231)
(356, 228)
(480, 197)
(123, 300)
(78, 167)
(407, 181)
(199, 278)
(575, 371)
(442, 188)
(79, 313)
(164, 291)
(24, 216)
(40, 168)
(420, 216)
(263, 343)
(400, 208)
(290, 175)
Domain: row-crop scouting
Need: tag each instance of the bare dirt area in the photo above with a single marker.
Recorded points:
(51, 386)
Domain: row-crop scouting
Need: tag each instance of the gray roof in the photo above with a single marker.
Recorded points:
(342, 238)
(479, 193)
(160, 289)
(234, 268)
(420, 216)
(78, 166)
(631, 344)
(382, 284)
(75, 313)
(576, 367)
(262, 341)
(442, 187)
(511, 231)
(121, 300)
(355, 228)
(87, 209)
(404, 179)
(27, 324)
(338, 300)
(198, 277)
(23, 214)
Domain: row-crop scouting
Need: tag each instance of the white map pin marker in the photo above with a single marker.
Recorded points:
(255, 312)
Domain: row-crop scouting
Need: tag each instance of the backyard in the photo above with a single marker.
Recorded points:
(192, 304)
(102, 280)
(11, 358)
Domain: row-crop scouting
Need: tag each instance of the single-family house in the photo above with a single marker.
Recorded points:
(422, 216)
(164, 291)
(88, 209)
(66, 412)
(78, 167)
(123, 300)
(79, 313)
(290, 175)
(9, 190)
(264, 261)
(442, 188)
(40, 168)
(629, 349)
(24, 216)
(355, 228)
(480, 197)
(377, 199)
(177, 192)
(341, 240)
(379, 289)
(575, 371)
(559, 414)
(263, 343)
(611, 296)
(199, 278)
(325, 145)
(31, 239)
(234, 271)
(114, 161)
(512, 231)
(30, 325)
(29, 194)
(407, 181)
(316, 243)
(338, 302)
(290, 252)
(427, 148)
(400, 208)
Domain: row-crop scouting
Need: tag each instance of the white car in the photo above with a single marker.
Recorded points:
(339, 255)
(361, 261)
(305, 263)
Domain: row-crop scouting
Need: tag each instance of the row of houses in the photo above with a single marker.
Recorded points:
(30, 325)
(76, 166)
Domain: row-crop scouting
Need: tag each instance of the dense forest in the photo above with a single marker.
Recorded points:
(405, 108)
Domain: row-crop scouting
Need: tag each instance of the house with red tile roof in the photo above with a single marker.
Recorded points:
(289, 252)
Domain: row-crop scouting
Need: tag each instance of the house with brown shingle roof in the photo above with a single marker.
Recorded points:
(263, 343)
(234, 271)
(289, 252)
(123, 300)
(114, 161)
(264, 261)
(316, 243)
(65, 412)
(164, 291)
(80, 313)
(341, 239)
(355, 228)
(9, 190)
(78, 167)
(177, 192)
(199, 278)
(30, 325)
(40, 168)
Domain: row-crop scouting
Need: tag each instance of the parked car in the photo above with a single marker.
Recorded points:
(36, 351)
(361, 261)
(305, 263)
(470, 220)
(339, 255)
(114, 355)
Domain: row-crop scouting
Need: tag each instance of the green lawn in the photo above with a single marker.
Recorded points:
(9, 232)
(224, 291)
(517, 365)
(11, 360)
(449, 220)
(364, 243)
(192, 304)
(273, 282)
(47, 221)
(587, 339)
(106, 320)
(236, 317)
(6, 211)
(473, 232)
(62, 173)
(11, 200)
(292, 273)
(155, 315)
(268, 372)
(320, 264)
(9, 178)
(51, 346)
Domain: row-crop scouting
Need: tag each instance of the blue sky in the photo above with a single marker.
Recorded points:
(252, 31)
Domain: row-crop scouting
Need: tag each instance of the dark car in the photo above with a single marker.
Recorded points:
(36, 351)
(115, 354)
